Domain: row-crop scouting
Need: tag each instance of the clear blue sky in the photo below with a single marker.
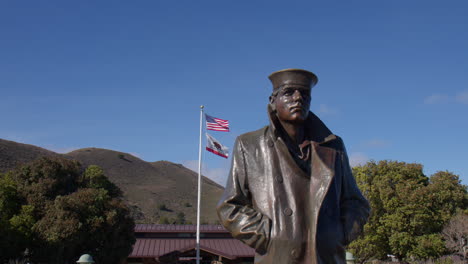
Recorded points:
(131, 75)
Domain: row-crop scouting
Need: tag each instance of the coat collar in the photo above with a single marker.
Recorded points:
(316, 130)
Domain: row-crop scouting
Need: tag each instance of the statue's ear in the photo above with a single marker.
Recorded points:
(272, 102)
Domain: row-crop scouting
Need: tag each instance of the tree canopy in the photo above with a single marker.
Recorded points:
(56, 211)
(409, 210)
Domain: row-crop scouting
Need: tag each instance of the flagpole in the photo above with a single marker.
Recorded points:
(199, 184)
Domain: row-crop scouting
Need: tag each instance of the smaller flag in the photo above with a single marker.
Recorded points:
(216, 124)
(213, 146)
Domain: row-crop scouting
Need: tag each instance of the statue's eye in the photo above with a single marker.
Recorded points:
(288, 92)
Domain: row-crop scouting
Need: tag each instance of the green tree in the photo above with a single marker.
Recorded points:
(12, 242)
(57, 213)
(163, 207)
(88, 220)
(408, 210)
(180, 219)
(94, 177)
(447, 195)
(164, 220)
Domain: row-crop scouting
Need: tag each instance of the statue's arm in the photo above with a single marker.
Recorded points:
(235, 208)
(355, 208)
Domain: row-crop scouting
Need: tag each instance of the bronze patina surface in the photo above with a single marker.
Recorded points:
(290, 193)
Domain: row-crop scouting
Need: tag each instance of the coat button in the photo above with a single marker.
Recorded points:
(295, 253)
(270, 143)
(288, 211)
(279, 179)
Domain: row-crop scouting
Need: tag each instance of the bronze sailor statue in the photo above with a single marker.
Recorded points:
(290, 193)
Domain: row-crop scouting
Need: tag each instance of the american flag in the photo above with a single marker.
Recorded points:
(216, 124)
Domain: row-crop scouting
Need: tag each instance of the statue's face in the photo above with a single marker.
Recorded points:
(292, 104)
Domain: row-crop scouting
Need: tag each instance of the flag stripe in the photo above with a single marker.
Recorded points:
(216, 124)
(217, 129)
(216, 152)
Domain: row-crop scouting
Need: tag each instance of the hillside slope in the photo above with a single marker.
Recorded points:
(13, 154)
(145, 185)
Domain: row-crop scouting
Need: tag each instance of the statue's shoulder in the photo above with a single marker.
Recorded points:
(253, 137)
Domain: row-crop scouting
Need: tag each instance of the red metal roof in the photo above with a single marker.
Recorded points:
(154, 228)
(154, 247)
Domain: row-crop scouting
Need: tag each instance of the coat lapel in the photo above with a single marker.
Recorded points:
(323, 170)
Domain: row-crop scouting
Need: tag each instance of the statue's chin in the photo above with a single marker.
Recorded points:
(298, 118)
(295, 121)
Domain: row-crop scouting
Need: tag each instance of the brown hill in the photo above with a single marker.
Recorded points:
(151, 189)
(13, 154)
(149, 186)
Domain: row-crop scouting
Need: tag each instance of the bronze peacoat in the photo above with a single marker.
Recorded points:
(272, 205)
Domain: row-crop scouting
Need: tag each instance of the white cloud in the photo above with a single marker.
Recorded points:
(135, 154)
(191, 164)
(462, 97)
(63, 150)
(437, 99)
(219, 175)
(327, 110)
(357, 159)
(376, 143)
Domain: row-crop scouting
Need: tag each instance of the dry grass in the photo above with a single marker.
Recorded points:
(145, 185)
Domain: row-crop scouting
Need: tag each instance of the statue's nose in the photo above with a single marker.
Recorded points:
(297, 95)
